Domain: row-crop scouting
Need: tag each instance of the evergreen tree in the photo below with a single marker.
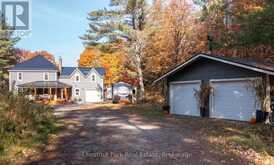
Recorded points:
(125, 21)
(7, 51)
(257, 27)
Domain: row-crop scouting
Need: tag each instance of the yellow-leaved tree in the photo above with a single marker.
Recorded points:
(112, 62)
(89, 57)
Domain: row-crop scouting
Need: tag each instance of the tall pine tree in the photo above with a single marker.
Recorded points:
(7, 51)
(125, 20)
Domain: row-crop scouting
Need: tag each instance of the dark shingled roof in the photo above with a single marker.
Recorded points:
(44, 84)
(66, 71)
(36, 63)
(248, 62)
(258, 66)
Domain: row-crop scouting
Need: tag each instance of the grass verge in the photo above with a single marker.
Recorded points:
(24, 127)
(146, 110)
(257, 137)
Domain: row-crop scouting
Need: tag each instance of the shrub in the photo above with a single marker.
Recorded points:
(22, 120)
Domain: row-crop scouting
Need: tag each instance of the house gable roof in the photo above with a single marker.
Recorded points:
(36, 63)
(67, 71)
(256, 66)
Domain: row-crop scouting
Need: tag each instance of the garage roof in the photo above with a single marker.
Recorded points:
(262, 67)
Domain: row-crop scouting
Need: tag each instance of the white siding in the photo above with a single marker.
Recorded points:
(85, 83)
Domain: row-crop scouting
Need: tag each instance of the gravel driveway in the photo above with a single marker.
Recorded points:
(101, 134)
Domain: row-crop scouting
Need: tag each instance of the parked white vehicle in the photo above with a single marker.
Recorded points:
(120, 91)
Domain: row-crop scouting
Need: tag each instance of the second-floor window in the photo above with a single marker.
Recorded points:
(77, 92)
(19, 76)
(77, 78)
(93, 78)
(46, 76)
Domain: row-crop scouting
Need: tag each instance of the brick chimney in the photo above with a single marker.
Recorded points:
(60, 64)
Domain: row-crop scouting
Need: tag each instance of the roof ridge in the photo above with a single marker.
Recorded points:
(28, 59)
(84, 70)
(37, 62)
(248, 59)
(79, 67)
(247, 64)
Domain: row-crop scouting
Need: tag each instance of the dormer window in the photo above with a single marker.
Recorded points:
(46, 76)
(93, 78)
(19, 76)
(77, 78)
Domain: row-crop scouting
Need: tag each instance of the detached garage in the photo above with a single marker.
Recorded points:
(232, 94)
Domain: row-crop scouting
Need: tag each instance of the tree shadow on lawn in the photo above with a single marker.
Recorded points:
(250, 142)
(118, 135)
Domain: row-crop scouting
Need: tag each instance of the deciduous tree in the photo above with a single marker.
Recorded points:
(113, 62)
(240, 28)
(90, 57)
(174, 34)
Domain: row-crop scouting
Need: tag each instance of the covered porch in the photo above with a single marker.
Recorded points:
(46, 90)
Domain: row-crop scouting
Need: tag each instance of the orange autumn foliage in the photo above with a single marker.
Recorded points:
(225, 33)
(89, 58)
(112, 62)
(25, 55)
(174, 35)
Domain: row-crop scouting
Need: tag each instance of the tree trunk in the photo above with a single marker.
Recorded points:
(140, 77)
(267, 103)
(133, 19)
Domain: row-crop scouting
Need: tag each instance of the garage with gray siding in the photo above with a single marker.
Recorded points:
(232, 95)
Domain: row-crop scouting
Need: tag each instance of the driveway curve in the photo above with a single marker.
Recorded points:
(107, 134)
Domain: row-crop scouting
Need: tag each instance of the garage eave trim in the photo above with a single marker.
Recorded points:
(215, 59)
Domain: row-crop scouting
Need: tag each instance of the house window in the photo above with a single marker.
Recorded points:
(77, 92)
(77, 78)
(93, 78)
(46, 76)
(19, 76)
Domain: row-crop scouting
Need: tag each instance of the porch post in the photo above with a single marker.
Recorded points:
(50, 94)
(55, 95)
(66, 94)
(35, 92)
(62, 94)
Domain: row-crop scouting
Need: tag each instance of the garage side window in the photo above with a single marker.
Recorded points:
(77, 92)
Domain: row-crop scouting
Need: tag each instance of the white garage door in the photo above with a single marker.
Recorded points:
(235, 100)
(182, 99)
(93, 96)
